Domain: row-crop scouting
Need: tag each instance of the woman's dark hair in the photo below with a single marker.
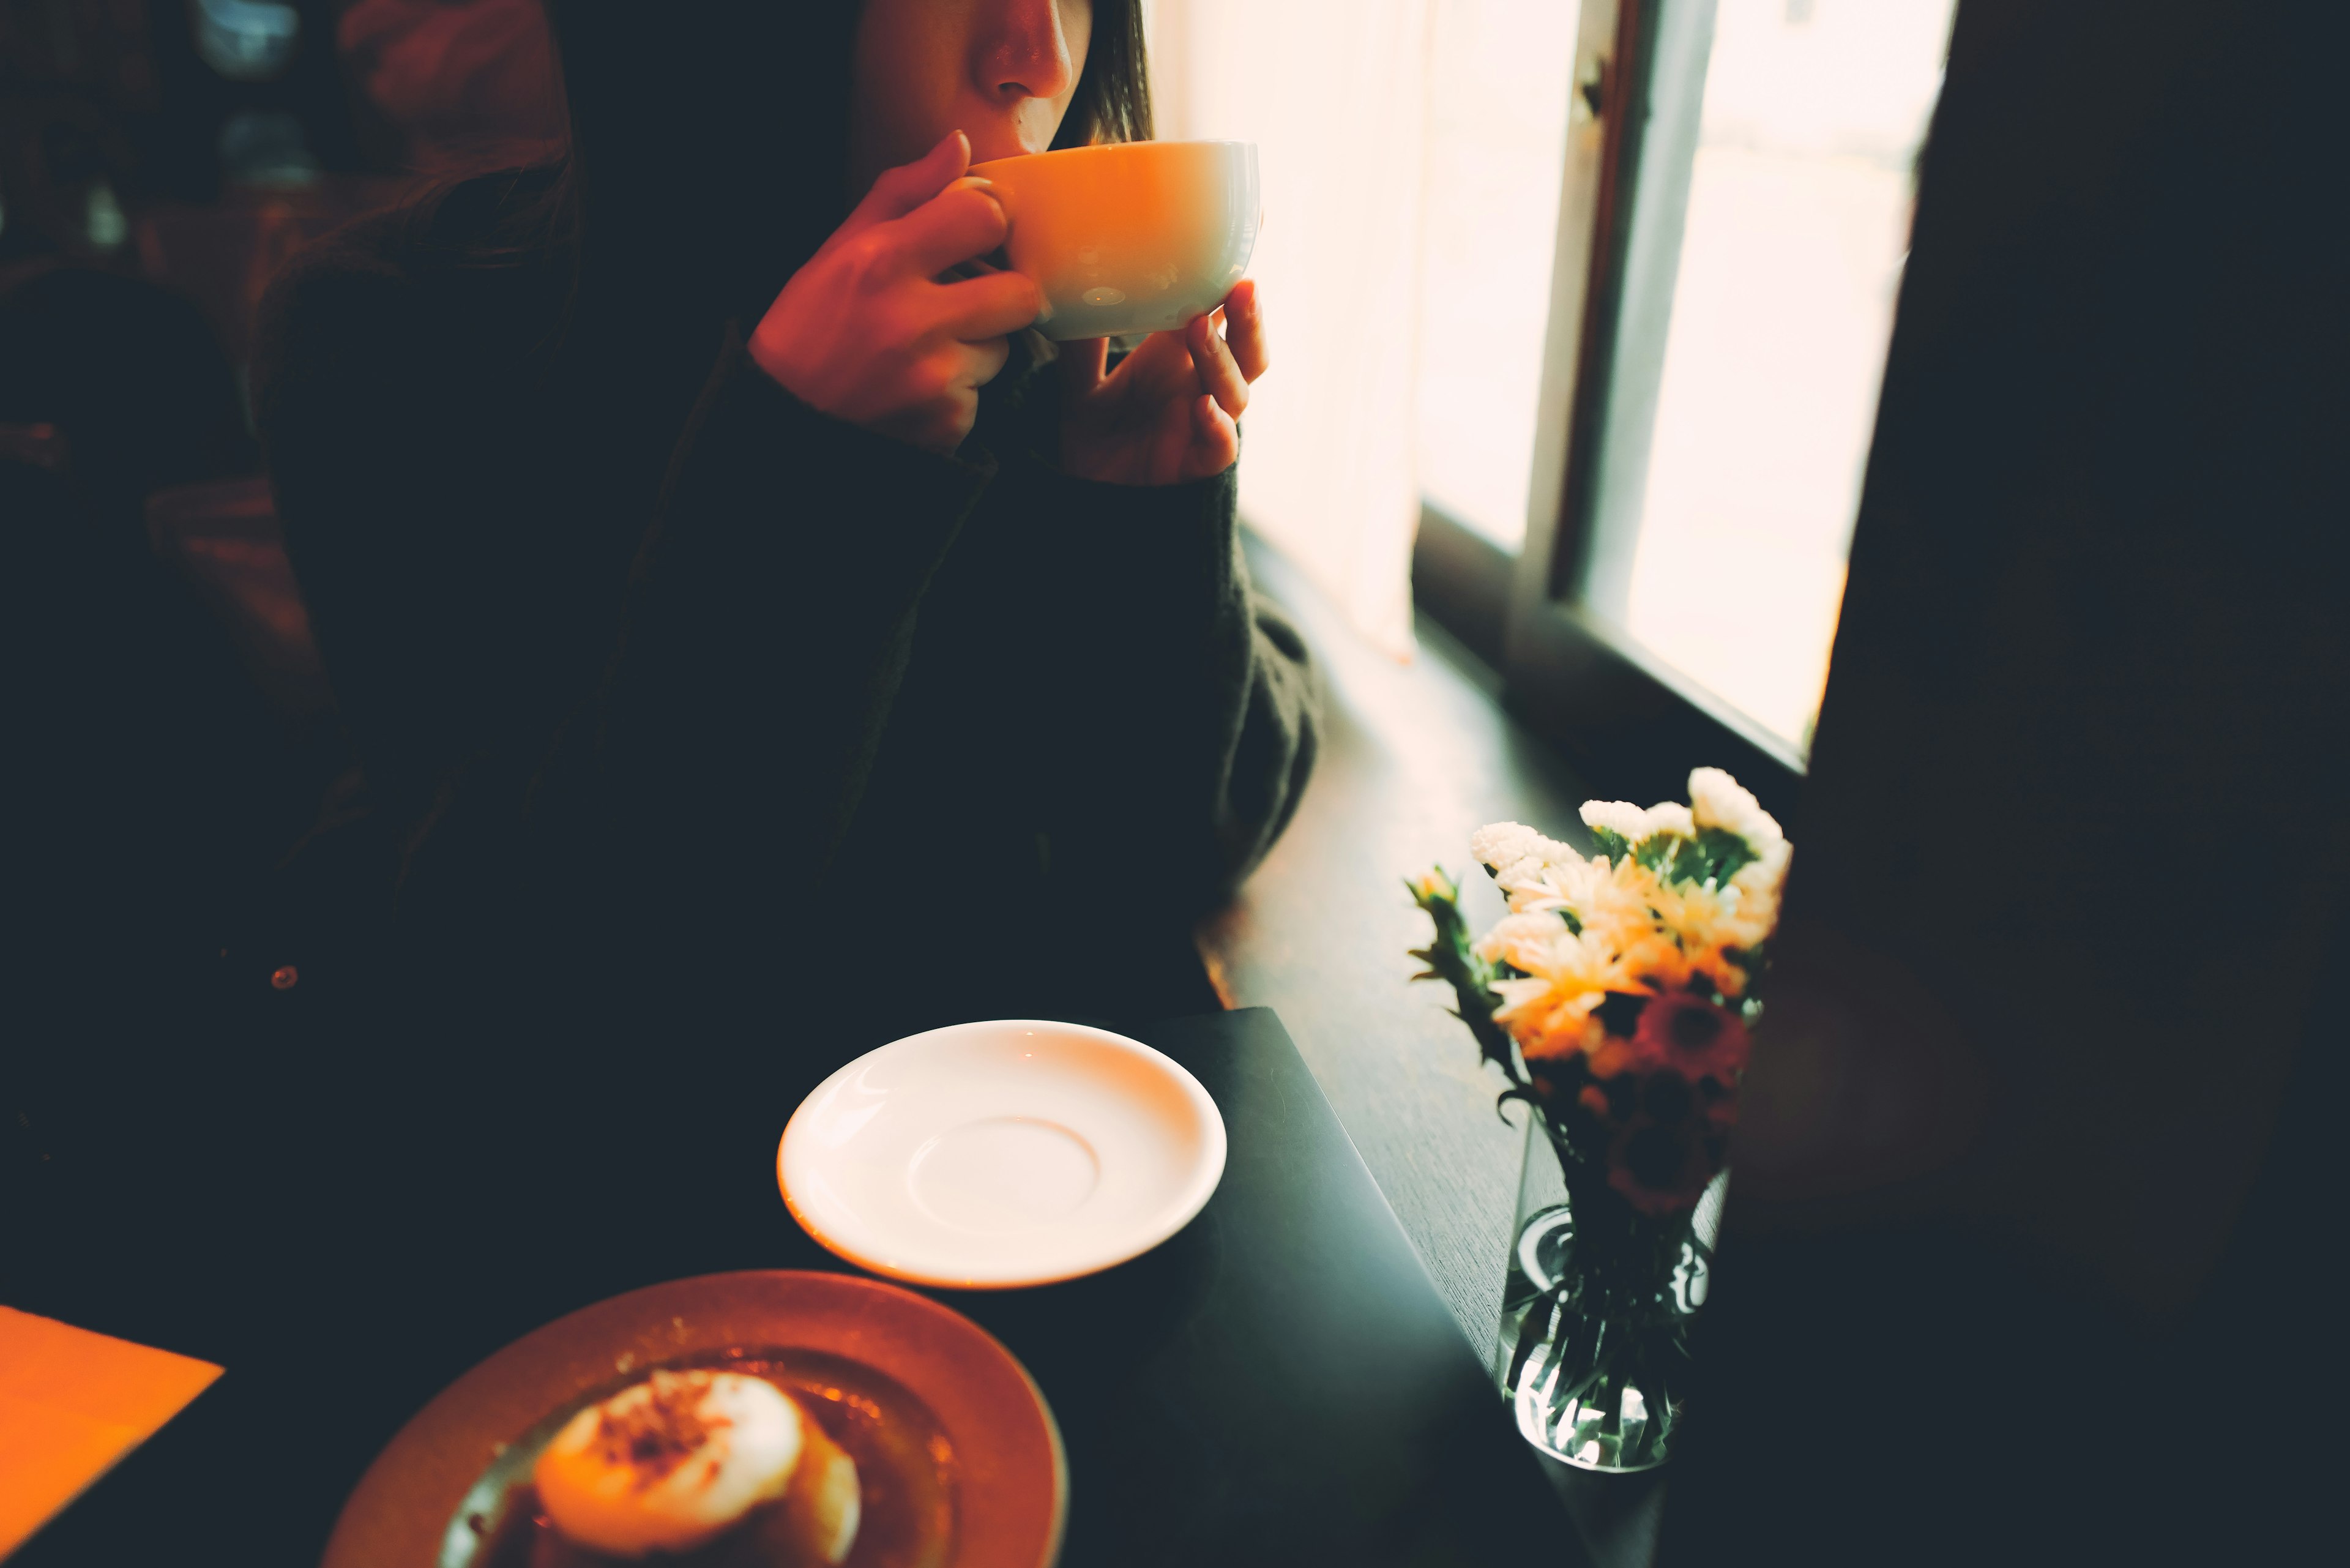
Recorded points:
(708, 146)
(1113, 97)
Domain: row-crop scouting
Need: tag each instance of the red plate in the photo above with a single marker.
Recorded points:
(1001, 1462)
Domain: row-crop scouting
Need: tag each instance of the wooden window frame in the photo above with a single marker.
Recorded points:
(1624, 718)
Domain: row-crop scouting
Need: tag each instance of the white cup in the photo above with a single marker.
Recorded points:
(1130, 236)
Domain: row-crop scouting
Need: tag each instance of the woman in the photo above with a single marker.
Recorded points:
(718, 586)
(752, 654)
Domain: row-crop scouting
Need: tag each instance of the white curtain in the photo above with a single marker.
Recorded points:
(1334, 93)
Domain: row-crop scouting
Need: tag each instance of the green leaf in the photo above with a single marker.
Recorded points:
(1452, 957)
(1721, 853)
(1611, 844)
(1713, 856)
(1533, 1103)
(1658, 851)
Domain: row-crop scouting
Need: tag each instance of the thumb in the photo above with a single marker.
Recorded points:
(902, 189)
(1082, 362)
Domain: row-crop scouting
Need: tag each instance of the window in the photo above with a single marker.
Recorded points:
(1497, 123)
(1746, 367)
(1731, 226)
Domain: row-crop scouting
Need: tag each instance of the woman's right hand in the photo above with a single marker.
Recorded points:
(864, 332)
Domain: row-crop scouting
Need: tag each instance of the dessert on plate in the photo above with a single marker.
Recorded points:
(697, 1466)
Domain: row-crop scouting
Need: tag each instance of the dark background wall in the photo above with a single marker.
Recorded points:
(2035, 1186)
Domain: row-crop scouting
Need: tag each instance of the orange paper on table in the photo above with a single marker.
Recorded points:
(71, 1404)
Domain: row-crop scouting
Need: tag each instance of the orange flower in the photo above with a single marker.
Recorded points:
(1611, 1056)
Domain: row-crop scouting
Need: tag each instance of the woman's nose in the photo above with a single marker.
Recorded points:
(1023, 52)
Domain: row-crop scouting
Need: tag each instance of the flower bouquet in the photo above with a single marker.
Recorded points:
(1616, 996)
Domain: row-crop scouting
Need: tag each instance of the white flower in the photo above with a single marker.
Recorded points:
(1632, 824)
(1717, 800)
(1525, 941)
(1600, 894)
(1543, 945)
(1758, 883)
(1518, 857)
(1501, 845)
(1527, 887)
(1504, 843)
(1621, 817)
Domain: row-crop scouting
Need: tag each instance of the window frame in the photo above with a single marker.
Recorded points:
(1623, 717)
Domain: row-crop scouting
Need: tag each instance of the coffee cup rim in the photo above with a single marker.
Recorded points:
(1097, 146)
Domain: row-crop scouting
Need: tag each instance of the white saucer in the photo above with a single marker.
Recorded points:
(992, 1155)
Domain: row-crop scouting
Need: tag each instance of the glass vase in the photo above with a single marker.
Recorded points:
(1593, 1344)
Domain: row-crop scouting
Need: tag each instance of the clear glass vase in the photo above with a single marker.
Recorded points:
(1593, 1343)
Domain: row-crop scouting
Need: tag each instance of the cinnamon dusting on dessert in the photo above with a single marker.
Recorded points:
(658, 1435)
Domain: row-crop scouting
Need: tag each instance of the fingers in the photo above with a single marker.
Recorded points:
(1244, 330)
(1219, 373)
(980, 363)
(986, 306)
(1216, 439)
(1164, 355)
(1083, 364)
(902, 189)
(947, 370)
(950, 377)
(949, 228)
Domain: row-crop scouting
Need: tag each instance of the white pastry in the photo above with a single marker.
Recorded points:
(671, 1462)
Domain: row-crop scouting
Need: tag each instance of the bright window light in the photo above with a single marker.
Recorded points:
(1797, 225)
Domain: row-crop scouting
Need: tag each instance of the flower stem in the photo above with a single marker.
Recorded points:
(1450, 958)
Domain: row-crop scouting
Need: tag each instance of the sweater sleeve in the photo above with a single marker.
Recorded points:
(716, 747)
(770, 615)
(1193, 707)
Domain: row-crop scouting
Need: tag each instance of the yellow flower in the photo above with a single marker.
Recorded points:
(1600, 894)
(1652, 961)
(1704, 917)
(1433, 884)
(1715, 965)
(1542, 947)
(1548, 1011)
(1544, 1020)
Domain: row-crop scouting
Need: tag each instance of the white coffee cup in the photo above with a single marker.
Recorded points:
(1131, 237)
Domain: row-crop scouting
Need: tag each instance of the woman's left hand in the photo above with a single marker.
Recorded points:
(1168, 413)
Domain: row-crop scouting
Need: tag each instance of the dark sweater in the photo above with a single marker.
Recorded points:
(654, 670)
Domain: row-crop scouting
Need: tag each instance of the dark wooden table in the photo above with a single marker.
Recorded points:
(1280, 1384)
(1415, 756)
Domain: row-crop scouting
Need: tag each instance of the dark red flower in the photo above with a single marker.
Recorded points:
(1661, 1168)
(1693, 1037)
